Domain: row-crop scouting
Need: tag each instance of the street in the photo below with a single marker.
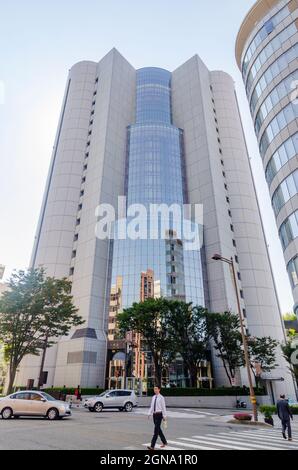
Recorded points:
(188, 429)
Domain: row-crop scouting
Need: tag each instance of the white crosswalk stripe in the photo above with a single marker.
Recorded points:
(159, 448)
(206, 413)
(243, 443)
(205, 441)
(258, 436)
(174, 414)
(252, 439)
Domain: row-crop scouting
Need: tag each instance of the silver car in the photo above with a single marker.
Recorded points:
(33, 403)
(122, 399)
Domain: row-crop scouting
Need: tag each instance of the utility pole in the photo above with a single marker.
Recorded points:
(253, 400)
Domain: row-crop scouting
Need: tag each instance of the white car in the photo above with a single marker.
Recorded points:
(33, 403)
(122, 399)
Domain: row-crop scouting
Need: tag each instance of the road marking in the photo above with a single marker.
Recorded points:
(203, 441)
(173, 414)
(260, 436)
(192, 446)
(200, 412)
(219, 439)
(162, 448)
(265, 441)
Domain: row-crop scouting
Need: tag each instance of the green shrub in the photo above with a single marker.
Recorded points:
(205, 392)
(266, 409)
(71, 390)
(67, 390)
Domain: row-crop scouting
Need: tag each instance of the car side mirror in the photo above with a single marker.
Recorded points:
(43, 400)
(107, 396)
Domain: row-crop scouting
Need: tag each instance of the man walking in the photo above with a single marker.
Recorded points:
(285, 415)
(159, 413)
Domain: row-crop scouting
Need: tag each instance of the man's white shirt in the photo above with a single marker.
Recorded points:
(159, 406)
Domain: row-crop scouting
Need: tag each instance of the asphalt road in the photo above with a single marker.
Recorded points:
(188, 429)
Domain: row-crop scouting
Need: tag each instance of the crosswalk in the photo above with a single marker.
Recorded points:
(253, 439)
(180, 414)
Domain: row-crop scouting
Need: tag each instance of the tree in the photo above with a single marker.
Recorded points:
(289, 316)
(33, 309)
(59, 314)
(187, 326)
(262, 351)
(224, 329)
(290, 353)
(149, 318)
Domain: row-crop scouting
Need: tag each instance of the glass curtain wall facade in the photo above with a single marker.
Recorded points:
(155, 174)
(267, 55)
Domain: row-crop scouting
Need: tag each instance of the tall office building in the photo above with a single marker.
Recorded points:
(155, 137)
(267, 54)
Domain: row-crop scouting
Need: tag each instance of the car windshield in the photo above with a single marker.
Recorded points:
(47, 396)
(103, 393)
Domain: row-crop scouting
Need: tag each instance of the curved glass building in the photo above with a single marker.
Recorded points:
(155, 174)
(267, 54)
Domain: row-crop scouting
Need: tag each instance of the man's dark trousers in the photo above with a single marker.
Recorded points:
(286, 424)
(157, 419)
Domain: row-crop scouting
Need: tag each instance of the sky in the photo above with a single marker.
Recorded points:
(40, 41)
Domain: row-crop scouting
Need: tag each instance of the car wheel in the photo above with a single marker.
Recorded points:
(52, 414)
(91, 409)
(7, 413)
(128, 407)
(98, 407)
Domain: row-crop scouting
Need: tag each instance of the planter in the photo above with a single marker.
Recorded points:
(243, 416)
(269, 420)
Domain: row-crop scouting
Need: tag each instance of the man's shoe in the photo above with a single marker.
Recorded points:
(290, 439)
(150, 448)
(284, 435)
(163, 445)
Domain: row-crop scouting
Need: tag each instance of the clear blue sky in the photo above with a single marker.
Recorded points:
(41, 40)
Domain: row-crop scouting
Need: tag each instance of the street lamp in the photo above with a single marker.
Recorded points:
(253, 400)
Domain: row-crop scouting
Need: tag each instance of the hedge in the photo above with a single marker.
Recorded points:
(272, 409)
(167, 392)
(70, 391)
(67, 390)
(206, 392)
